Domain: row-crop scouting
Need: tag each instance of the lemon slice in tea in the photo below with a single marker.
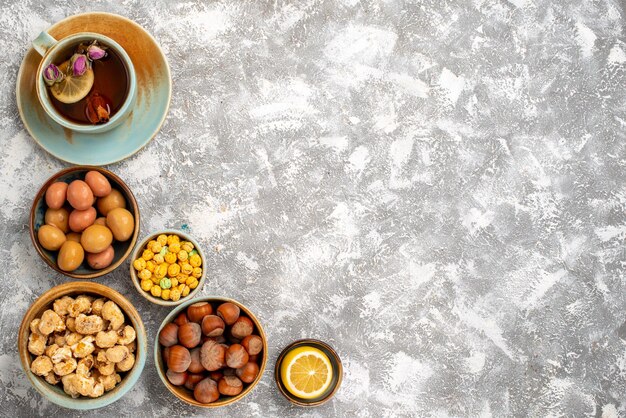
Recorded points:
(72, 88)
(306, 372)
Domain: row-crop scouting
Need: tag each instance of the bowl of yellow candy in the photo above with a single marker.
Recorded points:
(168, 267)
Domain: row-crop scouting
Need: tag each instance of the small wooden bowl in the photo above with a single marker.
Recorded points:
(139, 250)
(56, 394)
(335, 361)
(38, 210)
(185, 394)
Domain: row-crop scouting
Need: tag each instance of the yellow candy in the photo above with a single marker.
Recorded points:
(150, 244)
(195, 260)
(174, 247)
(193, 284)
(186, 268)
(147, 255)
(182, 278)
(156, 291)
(158, 258)
(165, 294)
(181, 287)
(183, 255)
(187, 246)
(185, 291)
(156, 247)
(197, 272)
(162, 239)
(144, 274)
(173, 270)
(139, 264)
(146, 285)
(170, 258)
(160, 271)
(150, 265)
(173, 239)
(174, 282)
(175, 294)
(155, 280)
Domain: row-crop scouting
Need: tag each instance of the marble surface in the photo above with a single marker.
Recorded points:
(435, 188)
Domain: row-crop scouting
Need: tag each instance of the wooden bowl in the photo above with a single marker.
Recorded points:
(56, 394)
(137, 282)
(38, 210)
(335, 361)
(185, 394)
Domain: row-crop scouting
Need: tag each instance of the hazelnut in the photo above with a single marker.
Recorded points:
(179, 359)
(212, 326)
(230, 386)
(253, 344)
(169, 335)
(189, 334)
(236, 356)
(206, 391)
(248, 372)
(166, 354)
(212, 355)
(253, 358)
(242, 327)
(192, 380)
(177, 378)
(229, 312)
(199, 310)
(181, 319)
(195, 366)
(216, 375)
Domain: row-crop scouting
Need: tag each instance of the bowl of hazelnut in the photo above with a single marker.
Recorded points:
(168, 267)
(210, 351)
(84, 222)
(82, 345)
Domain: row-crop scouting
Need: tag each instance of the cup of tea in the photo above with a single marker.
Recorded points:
(85, 82)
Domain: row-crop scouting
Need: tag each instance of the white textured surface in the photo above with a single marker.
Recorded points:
(435, 188)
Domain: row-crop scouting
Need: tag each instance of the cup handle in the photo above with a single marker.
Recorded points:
(43, 43)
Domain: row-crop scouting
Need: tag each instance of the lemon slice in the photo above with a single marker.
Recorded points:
(306, 372)
(72, 88)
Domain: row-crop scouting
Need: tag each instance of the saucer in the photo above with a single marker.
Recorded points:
(154, 91)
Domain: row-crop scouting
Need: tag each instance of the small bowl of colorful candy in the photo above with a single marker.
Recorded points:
(84, 222)
(168, 267)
